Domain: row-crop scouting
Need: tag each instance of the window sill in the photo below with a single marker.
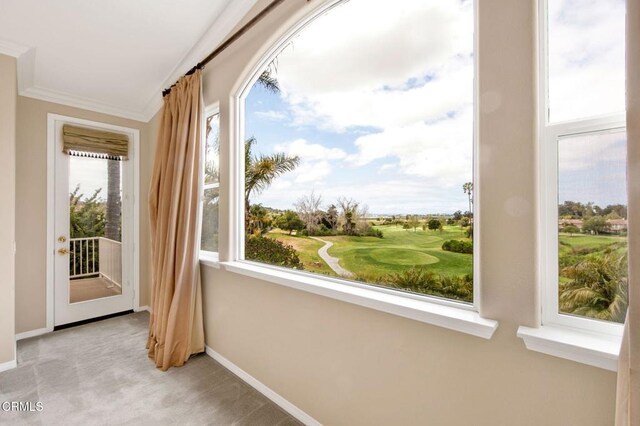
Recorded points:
(453, 318)
(597, 350)
(209, 258)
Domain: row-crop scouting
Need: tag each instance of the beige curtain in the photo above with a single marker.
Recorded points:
(176, 326)
(628, 391)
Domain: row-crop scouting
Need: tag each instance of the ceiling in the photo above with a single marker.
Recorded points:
(111, 56)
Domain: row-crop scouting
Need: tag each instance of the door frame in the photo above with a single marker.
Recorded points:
(134, 156)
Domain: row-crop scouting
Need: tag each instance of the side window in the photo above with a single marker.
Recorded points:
(583, 142)
(211, 186)
(359, 149)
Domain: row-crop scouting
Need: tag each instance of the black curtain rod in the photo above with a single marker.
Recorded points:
(246, 27)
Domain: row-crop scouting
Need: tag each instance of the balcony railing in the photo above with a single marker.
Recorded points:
(96, 256)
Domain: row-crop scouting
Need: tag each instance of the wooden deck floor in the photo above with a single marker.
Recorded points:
(91, 288)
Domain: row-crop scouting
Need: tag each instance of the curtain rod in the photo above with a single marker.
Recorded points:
(246, 27)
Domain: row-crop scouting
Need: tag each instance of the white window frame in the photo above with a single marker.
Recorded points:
(446, 313)
(549, 136)
(208, 257)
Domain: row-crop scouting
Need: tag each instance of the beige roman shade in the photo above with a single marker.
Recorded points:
(85, 142)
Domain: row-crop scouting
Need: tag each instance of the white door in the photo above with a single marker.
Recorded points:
(93, 248)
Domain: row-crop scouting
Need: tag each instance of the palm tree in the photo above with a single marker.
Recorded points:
(468, 189)
(112, 220)
(598, 288)
(261, 170)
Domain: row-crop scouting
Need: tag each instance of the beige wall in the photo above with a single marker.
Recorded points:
(345, 364)
(8, 90)
(31, 205)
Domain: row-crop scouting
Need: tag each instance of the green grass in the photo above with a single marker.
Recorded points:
(399, 250)
(576, 242)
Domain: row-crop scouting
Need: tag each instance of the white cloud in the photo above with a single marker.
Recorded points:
(272, 115)
(354, 76)
(586, 151)
(309, 151)
(441, 152)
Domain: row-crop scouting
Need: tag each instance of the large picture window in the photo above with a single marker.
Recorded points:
(359, 148)
(584, 165)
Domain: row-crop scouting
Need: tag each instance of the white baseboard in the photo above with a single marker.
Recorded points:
(8, 365)
(32, 333)
(263, 389)
(143, 308)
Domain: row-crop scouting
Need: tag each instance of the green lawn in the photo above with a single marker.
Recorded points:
(571, 243)
(399, 250)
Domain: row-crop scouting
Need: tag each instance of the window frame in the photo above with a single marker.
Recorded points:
(237, 262)
(206, 255)
(549, 135)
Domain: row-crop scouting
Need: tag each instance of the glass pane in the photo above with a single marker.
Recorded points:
(95, 214)
(586, 58)
(592, 223)
(359, 148)
(209, 241)
(212, 150)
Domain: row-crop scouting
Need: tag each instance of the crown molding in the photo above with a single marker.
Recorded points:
(10, 48)
(48, 95)
(216, 34)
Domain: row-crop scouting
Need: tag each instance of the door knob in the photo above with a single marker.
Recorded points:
(61, 239)
(63, 251)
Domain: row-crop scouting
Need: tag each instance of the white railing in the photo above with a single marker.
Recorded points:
(96, 256)
(110, 260)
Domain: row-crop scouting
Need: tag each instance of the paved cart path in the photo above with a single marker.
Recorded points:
(332, 261)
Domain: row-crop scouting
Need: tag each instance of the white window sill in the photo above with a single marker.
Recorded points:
(598, 350)
(209, 258)
(453, 318)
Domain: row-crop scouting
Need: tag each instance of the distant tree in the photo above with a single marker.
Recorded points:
(434, 224)
(289, 221)
(469, 232)
(465, 222)
(620, 210)
(308, 207)
(413, 222)
(457, 215)
(596, 225)
(468, 189)
(331, 216)
(349, 214)
(570, 229)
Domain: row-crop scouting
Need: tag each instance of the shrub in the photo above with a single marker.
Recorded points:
(268, 250)
(419, 280)
(458, 246)
(372, 232)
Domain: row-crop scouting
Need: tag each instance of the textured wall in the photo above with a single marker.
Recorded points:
(344, 364)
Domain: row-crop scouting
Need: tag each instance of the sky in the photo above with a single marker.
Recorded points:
(90, 174)
(586, 79)
(389, 127)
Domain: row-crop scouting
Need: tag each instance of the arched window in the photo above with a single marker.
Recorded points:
(359, 149)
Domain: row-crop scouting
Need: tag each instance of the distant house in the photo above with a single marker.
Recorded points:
(567, 222)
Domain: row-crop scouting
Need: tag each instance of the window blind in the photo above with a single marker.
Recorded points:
(86, 142)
